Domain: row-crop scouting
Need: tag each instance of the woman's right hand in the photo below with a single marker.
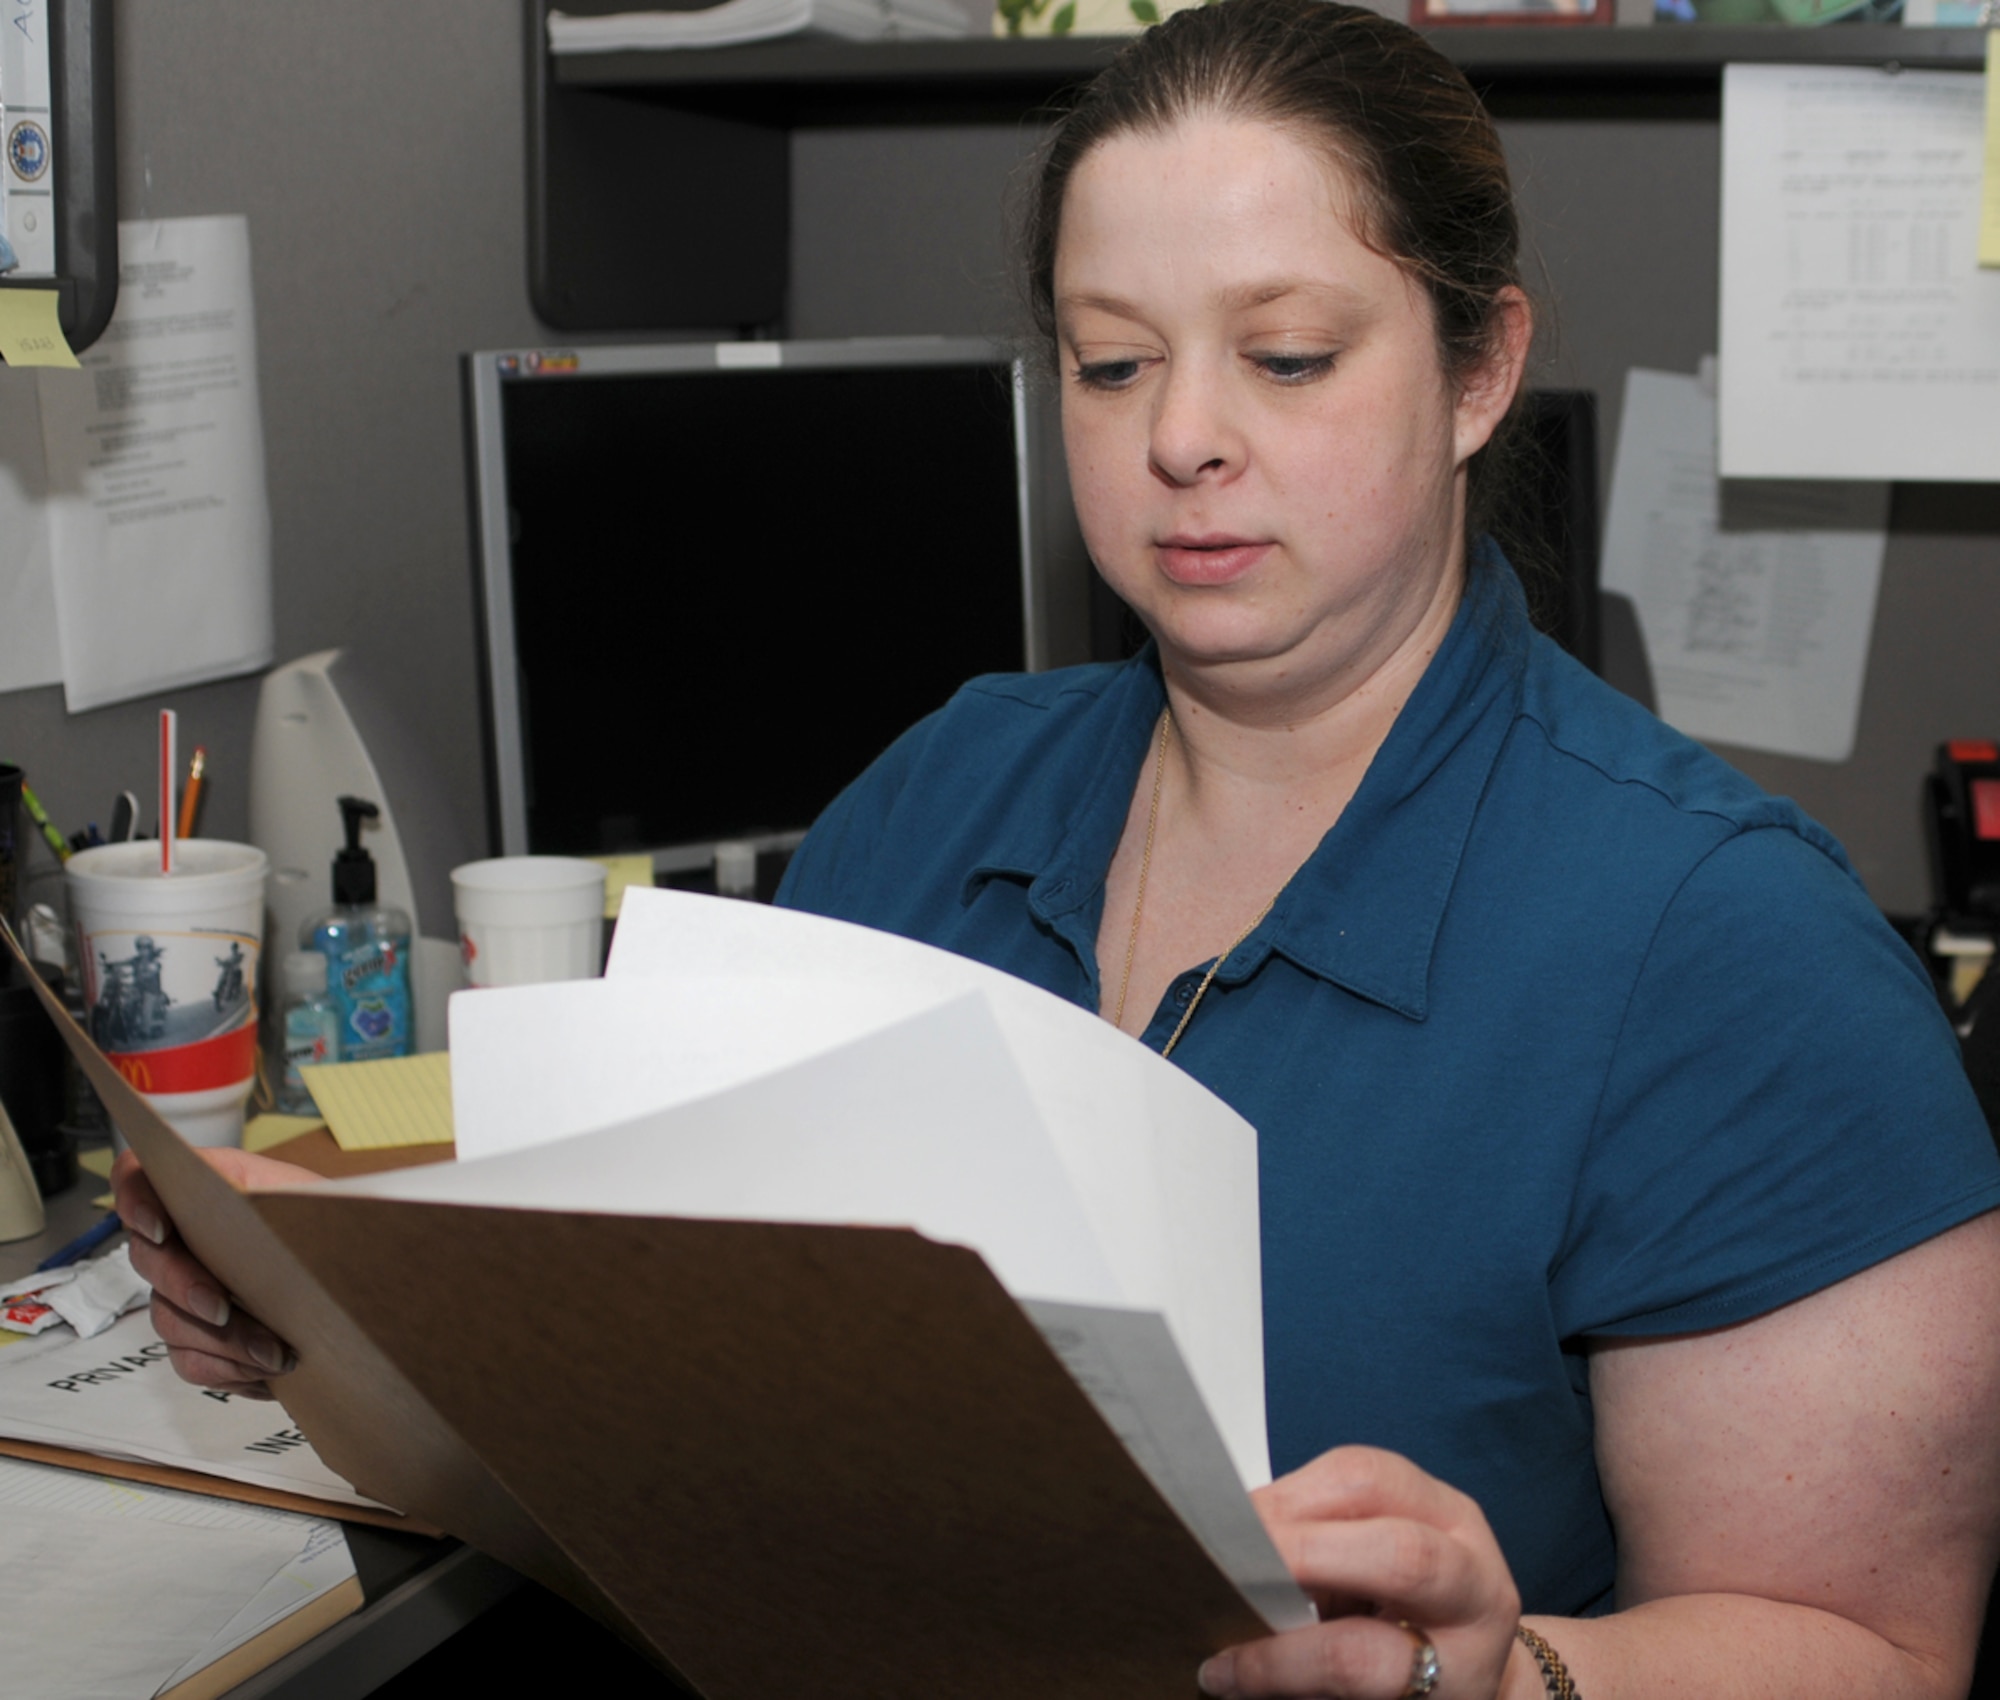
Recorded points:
(209, 1341)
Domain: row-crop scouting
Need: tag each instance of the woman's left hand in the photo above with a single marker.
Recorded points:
(1378, 1545)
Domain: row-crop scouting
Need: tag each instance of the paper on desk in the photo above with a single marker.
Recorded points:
(88, 1296)
(114, 1589)
(260, 1133)
(702, 993)
(1860, 338)
(321, 1564)
(29, 650)
(1756, 601)
(116, 1395)
(159, 523)
(384, 1102)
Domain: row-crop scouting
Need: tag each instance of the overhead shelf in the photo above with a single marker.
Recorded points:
(987, 69)
(659, 182)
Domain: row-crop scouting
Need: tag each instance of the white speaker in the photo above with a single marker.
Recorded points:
(323, 733)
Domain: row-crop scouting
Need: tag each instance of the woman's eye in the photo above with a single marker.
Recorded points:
(1294, 368)
(1106, 374)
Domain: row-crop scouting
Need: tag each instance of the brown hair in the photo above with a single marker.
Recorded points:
(1392, 111)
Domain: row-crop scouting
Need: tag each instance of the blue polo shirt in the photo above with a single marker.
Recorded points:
(1566, 1031)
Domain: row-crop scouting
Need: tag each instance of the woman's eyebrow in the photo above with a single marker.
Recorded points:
(1116, 306)
(1243, 297)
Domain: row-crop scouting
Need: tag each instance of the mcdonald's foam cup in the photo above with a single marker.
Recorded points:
(523, 919)
(170, 974)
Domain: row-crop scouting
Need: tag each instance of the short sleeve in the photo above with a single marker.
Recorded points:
(1785, 1105)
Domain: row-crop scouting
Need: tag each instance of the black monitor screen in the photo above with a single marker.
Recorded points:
(733, 588)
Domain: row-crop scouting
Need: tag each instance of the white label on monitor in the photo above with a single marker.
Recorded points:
(733, 354)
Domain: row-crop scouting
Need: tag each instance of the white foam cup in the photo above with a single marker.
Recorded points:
(169, 967)
(524, 919)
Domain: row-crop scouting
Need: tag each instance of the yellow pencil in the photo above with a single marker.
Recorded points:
(191, 797)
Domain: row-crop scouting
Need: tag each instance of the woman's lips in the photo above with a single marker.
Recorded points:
(1208, 560)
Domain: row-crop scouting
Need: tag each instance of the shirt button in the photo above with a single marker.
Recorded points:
(1183, 992)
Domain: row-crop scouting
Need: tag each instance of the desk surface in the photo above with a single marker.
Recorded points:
(419, 1591)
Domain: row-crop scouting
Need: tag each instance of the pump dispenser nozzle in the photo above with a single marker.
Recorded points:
(353, 867)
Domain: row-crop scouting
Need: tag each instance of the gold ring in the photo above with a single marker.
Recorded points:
(1423, 1662)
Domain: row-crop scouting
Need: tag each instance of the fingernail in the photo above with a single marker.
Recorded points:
(269, 1352)
(208, 1304)
(1218, 1676)
(143, 1222)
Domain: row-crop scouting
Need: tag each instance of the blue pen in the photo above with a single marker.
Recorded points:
(83, 1245)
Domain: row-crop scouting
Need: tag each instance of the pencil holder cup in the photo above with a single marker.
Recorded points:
(169, 966)
(523, 919)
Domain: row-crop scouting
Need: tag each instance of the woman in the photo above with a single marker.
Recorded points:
(1626, 1246)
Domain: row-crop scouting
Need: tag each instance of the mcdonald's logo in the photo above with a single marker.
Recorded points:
(136, 1070)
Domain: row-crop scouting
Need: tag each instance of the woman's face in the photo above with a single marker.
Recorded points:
(1265, 451)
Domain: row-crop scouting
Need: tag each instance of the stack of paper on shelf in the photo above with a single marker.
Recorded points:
(804, 1300)
(735, 22)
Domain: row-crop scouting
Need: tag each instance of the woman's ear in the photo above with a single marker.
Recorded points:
(1488, 389)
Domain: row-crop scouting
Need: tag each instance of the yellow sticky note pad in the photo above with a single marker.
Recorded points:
(260, 1133)
(30, 333)
(619, 872)
(372, 1106)
(1989, 200)
(96, 1161)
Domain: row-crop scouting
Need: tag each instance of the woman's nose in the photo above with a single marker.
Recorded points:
(1193, 435)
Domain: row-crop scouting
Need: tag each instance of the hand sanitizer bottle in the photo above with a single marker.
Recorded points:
(367, 951)
(310, 1026)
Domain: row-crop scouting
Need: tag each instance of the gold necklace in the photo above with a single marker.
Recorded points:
(1139, 906)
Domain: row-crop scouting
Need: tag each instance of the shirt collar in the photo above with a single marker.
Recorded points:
(1063, 847)
(1365, 910)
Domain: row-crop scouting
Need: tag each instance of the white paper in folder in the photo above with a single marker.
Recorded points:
(752, 1063)
(704, 994)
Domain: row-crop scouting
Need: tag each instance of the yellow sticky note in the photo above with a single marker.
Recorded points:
(619, 872)
(260, 1133)
(1989, 200)
(96, 1161)
(370, 1106)
(30, 334)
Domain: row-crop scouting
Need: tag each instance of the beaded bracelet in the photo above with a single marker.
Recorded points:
(1555, 1674)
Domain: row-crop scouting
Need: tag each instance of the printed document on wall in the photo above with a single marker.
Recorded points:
(1860, 338)
(29, 651)
(1756, 600)
(160, 528)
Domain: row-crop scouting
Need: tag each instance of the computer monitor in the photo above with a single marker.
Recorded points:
(716, 580)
